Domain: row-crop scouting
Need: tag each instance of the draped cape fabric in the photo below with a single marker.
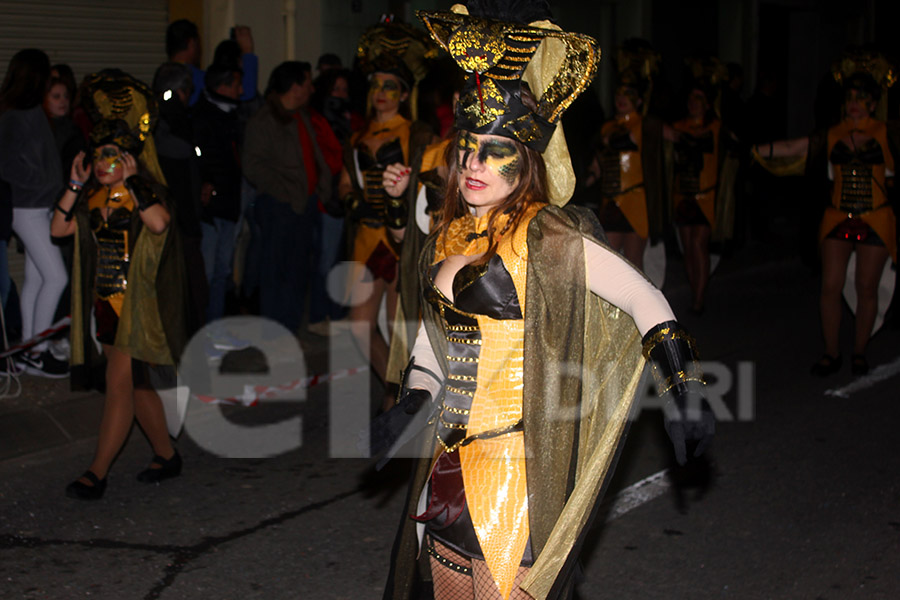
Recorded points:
(152, 326)
(582, 368)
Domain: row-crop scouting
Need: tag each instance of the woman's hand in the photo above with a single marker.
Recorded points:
(129, 165)
(79, 172)
(396, 179)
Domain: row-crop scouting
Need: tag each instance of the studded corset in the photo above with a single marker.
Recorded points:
(111, 234)
(477, 290)
(856, 174)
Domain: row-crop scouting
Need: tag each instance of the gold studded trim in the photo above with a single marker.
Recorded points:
(456, 411)
(462, 378)
(667, 334)
(447, 562)
(457, 340)
(462, 359)
(462, 327)
(461, 392)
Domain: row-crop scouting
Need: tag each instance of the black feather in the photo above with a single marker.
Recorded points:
(511, 11)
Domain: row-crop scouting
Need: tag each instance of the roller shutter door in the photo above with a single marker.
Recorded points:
(88, 35)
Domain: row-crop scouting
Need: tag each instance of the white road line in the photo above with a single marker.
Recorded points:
(879, 373)
(639, 493)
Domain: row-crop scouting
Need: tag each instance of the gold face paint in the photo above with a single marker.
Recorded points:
(501, 157)
(390, 87)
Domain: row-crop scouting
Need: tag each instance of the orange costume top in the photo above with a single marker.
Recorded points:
(622, 171)
(860, 179)
(697, 165)
(366, 169)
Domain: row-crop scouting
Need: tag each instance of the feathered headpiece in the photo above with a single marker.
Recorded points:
(124, 112)
(523, 72)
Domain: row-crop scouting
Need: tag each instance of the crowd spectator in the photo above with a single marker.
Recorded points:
(282, 159)
(30, 164)
(216, 135)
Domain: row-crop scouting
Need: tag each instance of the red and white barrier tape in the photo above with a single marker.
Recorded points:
(52, 330)
(254, 393)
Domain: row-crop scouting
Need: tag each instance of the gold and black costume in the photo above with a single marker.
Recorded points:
(696, 172)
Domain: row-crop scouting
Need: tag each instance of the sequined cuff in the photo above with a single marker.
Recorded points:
(396, 212)
(673, 357)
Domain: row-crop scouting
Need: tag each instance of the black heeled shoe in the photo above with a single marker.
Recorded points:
(167, 469)
(859, 366)
(83, 491)
(827, 365)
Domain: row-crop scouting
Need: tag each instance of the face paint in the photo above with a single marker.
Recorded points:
(466, 144)
(107, 158)
(389, 87)
(501, 158)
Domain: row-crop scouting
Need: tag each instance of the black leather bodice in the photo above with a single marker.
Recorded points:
(856, 174)
(477, 290)
(372, 212)
(112, 250)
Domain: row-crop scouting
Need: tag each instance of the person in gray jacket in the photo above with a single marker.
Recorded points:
(282, 160)
(30, 165)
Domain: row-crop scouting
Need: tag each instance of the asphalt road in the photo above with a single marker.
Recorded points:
(801, 496)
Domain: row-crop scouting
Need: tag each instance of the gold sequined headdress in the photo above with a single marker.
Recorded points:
(864, 67)
(508, 47)
(637, 63)
(124, 112)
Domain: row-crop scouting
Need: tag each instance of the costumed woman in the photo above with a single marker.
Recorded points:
(128, 277)
(856, 159)
(698, 161)
(389, 137)
(530, 351)
(629, 161)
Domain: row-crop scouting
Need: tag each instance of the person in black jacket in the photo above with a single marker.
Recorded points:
(216, 134)
(179, 163)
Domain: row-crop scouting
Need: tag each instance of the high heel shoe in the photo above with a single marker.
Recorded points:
(827, 365)
(166, 470)
(83, 491)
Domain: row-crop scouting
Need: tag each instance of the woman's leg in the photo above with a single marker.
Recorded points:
(45, 273)
(633, 249)
(151, 417)
(118, 411)
(835, 254)
(451, 573)
(365, 299)
(700, 253)
(486, 588)
(869, 266)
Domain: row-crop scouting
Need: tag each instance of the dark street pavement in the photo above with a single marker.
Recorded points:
(802, 497)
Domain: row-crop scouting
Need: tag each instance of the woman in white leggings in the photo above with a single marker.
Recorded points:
(30, 165)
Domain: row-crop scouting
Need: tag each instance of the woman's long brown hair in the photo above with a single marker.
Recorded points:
(532, 187)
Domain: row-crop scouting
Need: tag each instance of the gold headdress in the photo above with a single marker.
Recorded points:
(510, 53)
(637, 63)
(865, 68)
(708, 74)
(399, 49)
(124, 112)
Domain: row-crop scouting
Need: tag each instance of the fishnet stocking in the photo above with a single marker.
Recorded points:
(450, 584)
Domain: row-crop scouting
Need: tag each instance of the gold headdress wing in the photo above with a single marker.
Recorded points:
(499, 57)
(113, 95)
(637, 63)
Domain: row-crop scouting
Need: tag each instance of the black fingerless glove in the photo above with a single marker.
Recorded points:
(143, 194)
(687, 416)
(396, 211)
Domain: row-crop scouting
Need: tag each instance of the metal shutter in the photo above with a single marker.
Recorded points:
(88, 35)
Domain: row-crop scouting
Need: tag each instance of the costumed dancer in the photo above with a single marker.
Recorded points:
(529, 355)
(629, 161)
(394, 56)
(698, 160)
(128, 275)
(855, 158)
